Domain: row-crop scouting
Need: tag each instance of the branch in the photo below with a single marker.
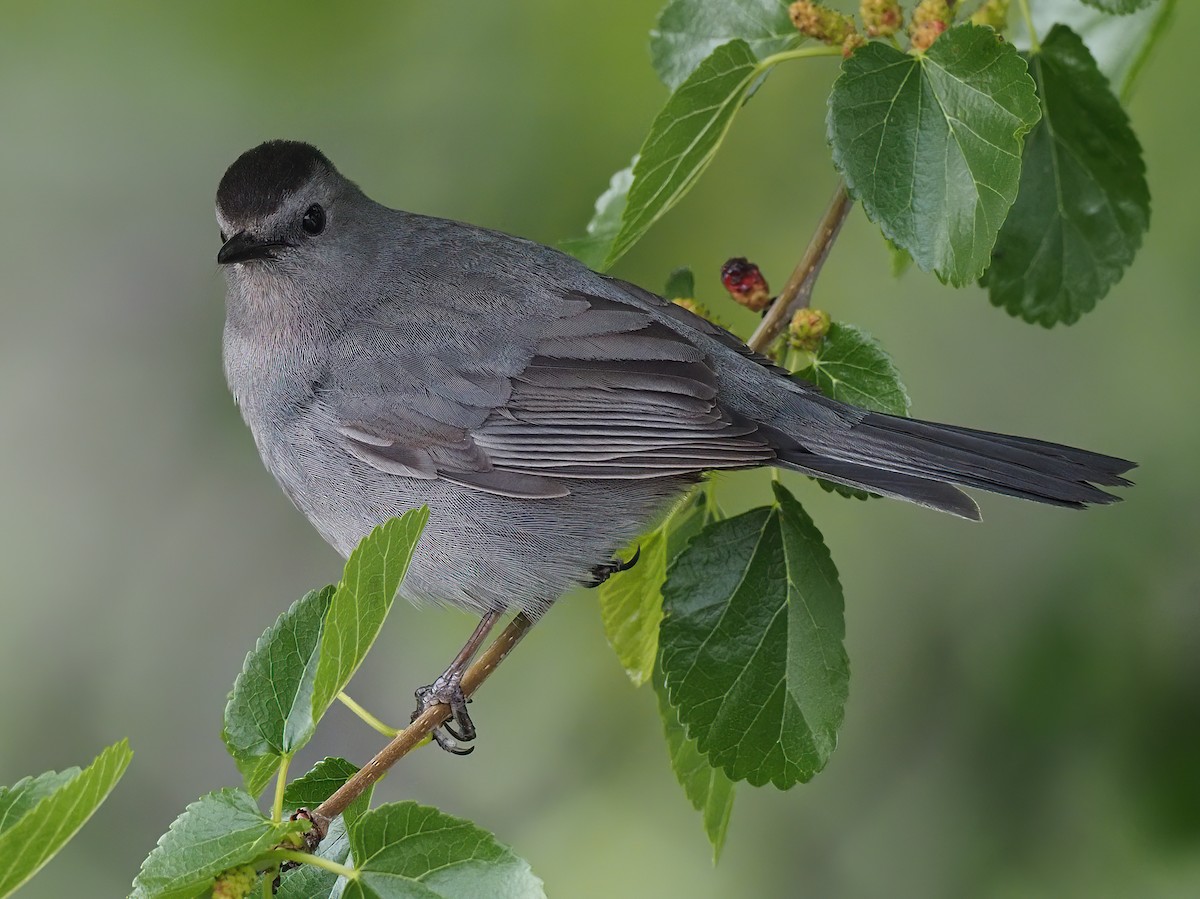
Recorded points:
(798, 290)
(413, 735)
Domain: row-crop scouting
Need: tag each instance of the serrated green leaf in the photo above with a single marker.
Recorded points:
(257, 771)
(17, 800)
(683, 139)
(688, 31)
(312, 882)
(39, 815)
(631, 601)
(900, 259)
(592, 250)
(696, 512)
(1119, 44)
(931, 143)
(362, 601)
(1119, 7)
(752, 644)
(631, 607)
(269, 715)
(1084, 203)
(216, 832)
(845, 490)
(309, 791)
(321, 782)
(681, 284)
(708, 789)
(406, 850)
(851, 366)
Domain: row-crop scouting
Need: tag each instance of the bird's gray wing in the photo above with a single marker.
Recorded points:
(587, 387)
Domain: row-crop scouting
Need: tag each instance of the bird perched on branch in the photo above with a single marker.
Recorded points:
(544, 413)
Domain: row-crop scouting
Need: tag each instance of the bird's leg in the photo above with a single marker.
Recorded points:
(448, 689)
(602, 572)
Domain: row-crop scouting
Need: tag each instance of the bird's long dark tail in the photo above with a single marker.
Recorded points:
(919, 461)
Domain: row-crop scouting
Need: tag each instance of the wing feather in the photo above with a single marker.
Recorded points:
(600, 391)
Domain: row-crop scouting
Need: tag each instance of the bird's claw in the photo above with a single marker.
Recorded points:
(448, 691)
(602, 572)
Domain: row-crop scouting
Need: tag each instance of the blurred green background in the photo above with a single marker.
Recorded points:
(1025, 700)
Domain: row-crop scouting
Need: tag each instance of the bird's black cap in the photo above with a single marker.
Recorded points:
(259, 179)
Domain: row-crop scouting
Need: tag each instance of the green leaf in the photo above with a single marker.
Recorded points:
(681, 284)
(592, 250)
(752, 644)
(39, 815)
(309, 881)
(1084, 203)
(900, 259)
(406, 850)
(683, 139)
(362, 601)
(690, 30)
(631, 601)
(1119, 7)
(696, 512)
(321, 782)
(707, 788)
(631, 607)
(851, 366)
(17, 800)
(269, 715)
(1119, 44)
(931, 143)
(216, 832)
(308, 792)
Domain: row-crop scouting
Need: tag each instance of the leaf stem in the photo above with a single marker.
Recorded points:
(418, 732)
(366, 716)
(1035, 46)
(280, 786)
(307, 858)
(797, 292)
(628, 234)
(798, 53)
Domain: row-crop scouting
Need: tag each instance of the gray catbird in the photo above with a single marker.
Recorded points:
(546, 414)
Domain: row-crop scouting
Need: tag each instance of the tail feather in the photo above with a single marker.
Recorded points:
(902, 457)
(931, 494)
(1100, 468)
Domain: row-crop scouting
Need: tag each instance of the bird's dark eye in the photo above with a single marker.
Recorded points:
(314, 220)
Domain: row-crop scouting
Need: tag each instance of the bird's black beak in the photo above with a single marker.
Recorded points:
(243, 247)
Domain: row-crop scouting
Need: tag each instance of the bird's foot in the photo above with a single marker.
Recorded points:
(447, 690)
(602, 572)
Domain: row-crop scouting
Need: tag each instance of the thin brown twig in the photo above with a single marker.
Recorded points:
(797, 291)
(409, 738)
